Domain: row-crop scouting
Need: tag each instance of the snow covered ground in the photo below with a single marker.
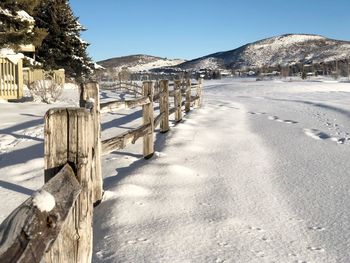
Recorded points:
(260, 173)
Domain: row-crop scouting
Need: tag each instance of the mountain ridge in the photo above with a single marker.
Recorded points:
(139, 62)
(287, 49)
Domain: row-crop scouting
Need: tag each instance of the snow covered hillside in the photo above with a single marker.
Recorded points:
(260, 173)
(137, 63)
(281, 50)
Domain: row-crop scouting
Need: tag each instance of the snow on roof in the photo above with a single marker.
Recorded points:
(21, 15)
(11, 55)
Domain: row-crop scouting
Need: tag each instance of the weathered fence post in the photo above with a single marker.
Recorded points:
(188, 96)
(198, 101)
(69, 139)
(19, 78)
(177, 100)
(90, 99)
(148, 119)
(156, 87)
(164, 105)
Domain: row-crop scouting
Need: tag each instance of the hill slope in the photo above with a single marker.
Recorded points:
(281, 50)
(137, 63)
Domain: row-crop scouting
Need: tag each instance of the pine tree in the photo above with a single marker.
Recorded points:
(17, 24)
(63, 47)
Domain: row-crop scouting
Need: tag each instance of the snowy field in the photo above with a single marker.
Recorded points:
(259, 174)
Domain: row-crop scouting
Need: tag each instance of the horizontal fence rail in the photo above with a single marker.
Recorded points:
(182, 89)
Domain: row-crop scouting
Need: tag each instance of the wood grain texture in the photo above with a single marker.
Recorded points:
(69, 138)
(164, 105)
(90, 99)
(148, 118)
(113, 106)
(188, 96)
(121, 141)
(177, 100)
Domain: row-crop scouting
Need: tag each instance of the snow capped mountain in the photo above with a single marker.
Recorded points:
(137, 63)
(281, 50)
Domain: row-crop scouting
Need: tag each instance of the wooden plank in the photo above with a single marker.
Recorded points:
(121, 141)
(164, 105)
(90, 99)
(2, 95)
(172, 110)
(125, 104)
(199, 92)
(69, 139)
(28, 232)
(148, 118)
(188, 96)
(194, 98)
(158, 119)
(156, 96)
(177, 100)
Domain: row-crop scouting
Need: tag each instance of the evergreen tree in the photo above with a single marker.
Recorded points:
(17, 25)
(63, 47)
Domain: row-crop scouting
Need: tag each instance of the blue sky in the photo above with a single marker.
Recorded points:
(192, 28)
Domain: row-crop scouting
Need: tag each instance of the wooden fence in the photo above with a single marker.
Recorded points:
(30, 75)
(11, 79)
(73, 178)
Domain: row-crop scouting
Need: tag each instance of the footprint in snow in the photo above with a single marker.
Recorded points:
(275, 118)
(256, 228)
(316, 249)
(138, 240)
(256, 113)
(223, 244)
(316, 134)
(320, 135)
(316, 228)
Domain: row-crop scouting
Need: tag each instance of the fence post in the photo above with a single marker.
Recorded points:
(177, 100)
(19, 78)
(90, 99)
(164, 105)
(69, 139)
(188, 96)
(148, 119)
(199, 92)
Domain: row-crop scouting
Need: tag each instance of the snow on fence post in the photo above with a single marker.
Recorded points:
(148, 119)
(164, 105)
(26, 234)
(90, 99)
(177, 100)
(188, 96)
(69, 139)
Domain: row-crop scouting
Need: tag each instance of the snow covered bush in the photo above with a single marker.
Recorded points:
(46, 90)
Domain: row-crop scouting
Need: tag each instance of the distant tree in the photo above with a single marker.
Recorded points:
(17, 26)
(303, 75)
(62, 47)
(124, 74)
(285, 71)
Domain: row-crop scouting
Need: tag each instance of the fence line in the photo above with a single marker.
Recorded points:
(73, 177)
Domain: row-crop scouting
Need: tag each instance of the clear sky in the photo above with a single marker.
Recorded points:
(192, 28)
